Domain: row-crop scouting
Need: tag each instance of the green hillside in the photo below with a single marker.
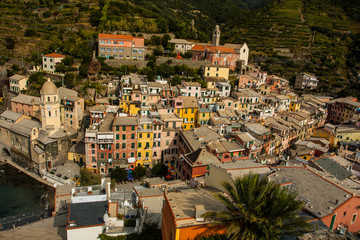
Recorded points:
(285, 36)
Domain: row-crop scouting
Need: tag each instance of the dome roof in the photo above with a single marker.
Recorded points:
(49, 88)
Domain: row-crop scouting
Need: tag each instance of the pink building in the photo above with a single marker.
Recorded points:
(193, 89)
(170, 137)
(225, 56)
(25, 104)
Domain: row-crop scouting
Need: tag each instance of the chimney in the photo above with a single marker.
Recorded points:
(199, 211)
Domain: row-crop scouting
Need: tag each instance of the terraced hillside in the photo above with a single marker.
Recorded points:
(285, 37)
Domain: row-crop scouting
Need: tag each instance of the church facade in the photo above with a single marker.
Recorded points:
(37, 145)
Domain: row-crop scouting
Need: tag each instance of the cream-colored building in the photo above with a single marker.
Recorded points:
(50, 107)
(216, 71)
(18, 83)
(50, 61)
(182, 45)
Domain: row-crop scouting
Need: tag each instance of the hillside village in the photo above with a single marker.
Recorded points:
(238, 119)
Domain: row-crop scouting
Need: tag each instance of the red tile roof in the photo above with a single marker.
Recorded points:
(213, 49)
(54, 55)
(115, 36)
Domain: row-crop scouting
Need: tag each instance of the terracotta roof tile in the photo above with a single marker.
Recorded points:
(115, 36)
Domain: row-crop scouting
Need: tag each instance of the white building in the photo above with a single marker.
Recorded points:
(182, 45)
(50, 61)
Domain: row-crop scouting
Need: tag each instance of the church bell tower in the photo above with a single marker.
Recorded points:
(216, 36)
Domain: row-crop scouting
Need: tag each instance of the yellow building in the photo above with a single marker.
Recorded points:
(216, 71)
(187, 109)
(265, 89)
(77, 152)
(203, 117)
(336, 134)
(145, 142)
(294, 106)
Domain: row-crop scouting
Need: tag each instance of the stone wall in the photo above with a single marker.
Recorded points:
(141, 64)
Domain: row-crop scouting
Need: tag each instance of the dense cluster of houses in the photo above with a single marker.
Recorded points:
(203, 133)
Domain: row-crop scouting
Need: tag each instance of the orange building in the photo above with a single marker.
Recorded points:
(182, 214)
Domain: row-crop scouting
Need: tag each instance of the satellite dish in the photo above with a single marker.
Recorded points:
(106, 217)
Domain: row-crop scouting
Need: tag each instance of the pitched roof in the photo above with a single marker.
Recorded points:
(125, 121)
(16, 77)
(201, 157)
(9, 115)
(26, 99)
(54, 55)
(202, 48)
(333, 168)
(115, 36)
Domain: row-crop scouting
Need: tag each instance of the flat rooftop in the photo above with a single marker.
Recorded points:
(321, 196)
(87, 214)
(183, 204)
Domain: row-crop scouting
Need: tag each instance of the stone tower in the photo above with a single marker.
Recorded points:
(50, 107)
(216, 36)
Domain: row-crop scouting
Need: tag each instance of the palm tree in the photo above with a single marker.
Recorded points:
(258, 209)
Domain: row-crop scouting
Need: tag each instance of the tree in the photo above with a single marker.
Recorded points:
(69, 80)
(9, 43)
(68, 61)
(119, 174)
(158, 51)
(29, 33)
(88, 178)
(139, 172)
(159, 170)
(258, 209)
(188, 54)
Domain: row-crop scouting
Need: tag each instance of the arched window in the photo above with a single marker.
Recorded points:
(49, 113)
(48, 99)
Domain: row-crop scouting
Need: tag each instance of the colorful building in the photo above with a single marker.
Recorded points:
(182, 216)
(145, 139)
(121, 46)
(187, 109)
(51, 60)
(341, 110)
(216, 71)
(125, 129)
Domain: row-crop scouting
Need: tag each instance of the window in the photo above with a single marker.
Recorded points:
(117, 137)
(132, 136)
(132, 145)
(117, 155)
(116, 42)
(121, 43)
(124, 155)
(121, 50)
(117, 146)
(123, 145)
(123, 136)
(108, 49)
(139, 145)
(102, 41)
(141, 51)
(109, 155)
(117, 128)
(45, 60)
(124, 128)
(139, 155)
(115, 49)
(353, 218)
(132, 128)
(132, 154)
